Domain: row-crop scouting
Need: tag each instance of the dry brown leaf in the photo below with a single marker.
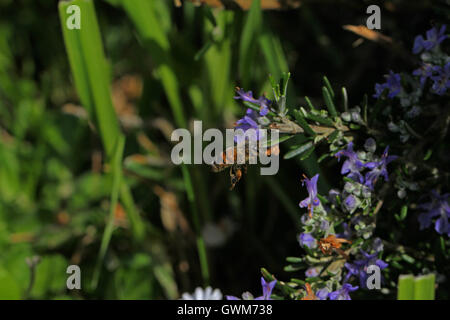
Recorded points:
(96, 161)
(124, 91)
(368, 34)
(74, 110)
(164, 126)
(171, 215)
(145, 142)
(137, 158)
(120, 216)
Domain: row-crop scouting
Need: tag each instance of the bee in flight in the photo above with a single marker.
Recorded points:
(229, 159)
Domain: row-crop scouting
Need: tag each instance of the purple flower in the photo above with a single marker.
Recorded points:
(249, 121)
(425, 72)
(441, 79)
(437, 207)
(393, 83)
(350, 203)
(322, 294)
(343, 293)
(262, 101)
(378, 168)
(359, 267)
(434, 38)
(352, 166)
(370, 145)
(306, 239)
(312, 272)
(267, 292)
(267, 289)
(312, 200)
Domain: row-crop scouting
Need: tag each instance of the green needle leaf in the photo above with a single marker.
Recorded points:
(329, 102)
(302, 122)
(344, 99)
(328, 85)
(309, 103)
(298, 151)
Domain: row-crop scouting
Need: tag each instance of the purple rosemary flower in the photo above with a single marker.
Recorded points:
(393, 83)
(322, 294)
(370, 145)
(312, 200)
(249, 121)
(267, 292)
(350, 203)
(312, 272)
(437, 207)
(306, 239)
(424, 72)
(378, 168)
(441, 79)
(434, 38)
(262, 101)
(343, 293)
(267, 289)
(352, 166)
(359, 267)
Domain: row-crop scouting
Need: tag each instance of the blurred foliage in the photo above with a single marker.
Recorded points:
(167, 66)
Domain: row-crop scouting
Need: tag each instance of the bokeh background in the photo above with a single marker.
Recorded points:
(168, 63)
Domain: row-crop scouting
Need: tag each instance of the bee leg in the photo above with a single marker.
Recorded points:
(236, 175)
(232, 177)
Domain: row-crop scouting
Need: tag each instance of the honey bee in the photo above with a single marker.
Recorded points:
(329, 243)
(229, 160)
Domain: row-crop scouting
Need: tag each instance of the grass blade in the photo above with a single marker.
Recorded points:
(116, 186)
(250, 32)
(90, 70)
